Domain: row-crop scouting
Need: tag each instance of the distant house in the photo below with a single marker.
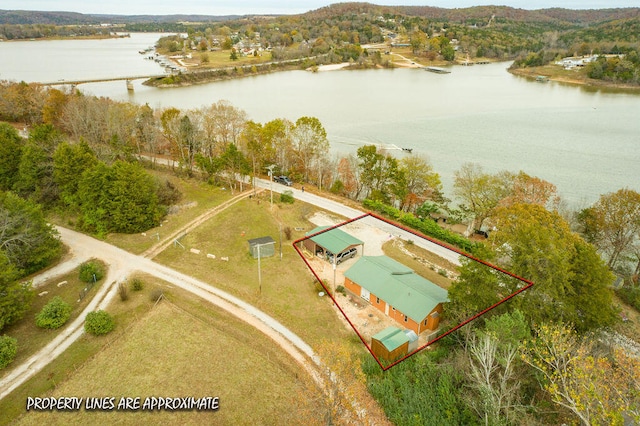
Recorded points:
(263, 247)
(395, 289)
(334, 241)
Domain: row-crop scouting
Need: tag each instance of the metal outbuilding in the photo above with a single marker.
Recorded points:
(263, 246)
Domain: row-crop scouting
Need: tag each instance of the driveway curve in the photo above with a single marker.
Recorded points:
(122, 263)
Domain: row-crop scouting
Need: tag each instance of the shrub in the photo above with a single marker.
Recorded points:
(156, 295)
(8, 350)
(341, 289)
(137, 284)
(287, 197)
(123, 292)
(54, 314)
(89, 269)
(287, 232)
(99, 323)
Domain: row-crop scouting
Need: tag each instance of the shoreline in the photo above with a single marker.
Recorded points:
(534, 72)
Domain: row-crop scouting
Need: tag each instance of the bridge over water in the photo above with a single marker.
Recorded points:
(128, 80)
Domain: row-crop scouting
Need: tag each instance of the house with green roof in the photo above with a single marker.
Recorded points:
(331, 242)
(395, 289)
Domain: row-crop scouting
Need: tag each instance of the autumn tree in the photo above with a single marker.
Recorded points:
(309, 145)
(378, 173)
(596, 389)
(538, 245)
(571, 283)
(532, 190)
(21, 102)
(346, 175)
(613, 224)
(421, 182)
(146, 132)
(53, 107)
(182, 135)
(277, 134)
(480, 193)
(235, 166)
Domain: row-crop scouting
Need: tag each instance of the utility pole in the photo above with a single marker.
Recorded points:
(270, 168)
(259, 272)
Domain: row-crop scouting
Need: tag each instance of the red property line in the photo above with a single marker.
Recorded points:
(441, 244)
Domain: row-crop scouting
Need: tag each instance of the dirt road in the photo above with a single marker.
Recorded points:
(122, 263)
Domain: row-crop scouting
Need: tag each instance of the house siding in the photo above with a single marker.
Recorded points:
(398, 316)
(383, 353)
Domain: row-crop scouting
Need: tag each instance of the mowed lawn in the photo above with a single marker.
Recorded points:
(288, 291)
(187, 349)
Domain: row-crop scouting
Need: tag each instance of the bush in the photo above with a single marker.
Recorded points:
(287, 232)
(99, 323)
(89, 269)
(156, 295)
(123, 292)
(54, 314)
(8, 350)
(137, 284)
(287, 197)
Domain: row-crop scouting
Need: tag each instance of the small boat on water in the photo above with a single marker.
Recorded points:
(437, 70)
(409, 150)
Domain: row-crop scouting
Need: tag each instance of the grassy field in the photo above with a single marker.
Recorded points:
(288, 288)
(32, 338)
(180, 347)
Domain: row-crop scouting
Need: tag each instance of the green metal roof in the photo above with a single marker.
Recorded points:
(391, 337)
(335, 240)
(398, 285)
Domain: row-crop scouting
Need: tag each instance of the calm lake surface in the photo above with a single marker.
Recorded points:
(587, 142)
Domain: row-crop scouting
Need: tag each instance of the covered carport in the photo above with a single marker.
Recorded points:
(333, 241)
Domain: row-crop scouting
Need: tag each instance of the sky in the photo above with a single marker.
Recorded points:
(247, 7)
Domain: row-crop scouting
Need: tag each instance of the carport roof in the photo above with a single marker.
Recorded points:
(335, 240)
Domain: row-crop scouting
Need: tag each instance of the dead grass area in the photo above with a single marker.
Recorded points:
(184, 347)
(32, 338)
(426, 264)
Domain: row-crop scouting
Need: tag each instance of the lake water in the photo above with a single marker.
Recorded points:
(587, 142)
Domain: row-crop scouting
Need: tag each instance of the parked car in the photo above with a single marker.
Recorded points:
(344, 255)
(283, 180)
